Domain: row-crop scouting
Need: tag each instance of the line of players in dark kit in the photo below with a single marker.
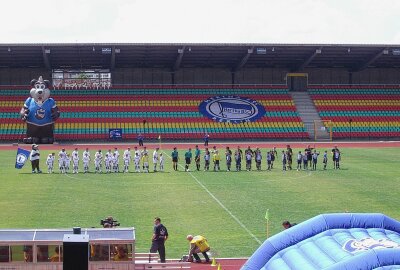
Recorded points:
(306, 160)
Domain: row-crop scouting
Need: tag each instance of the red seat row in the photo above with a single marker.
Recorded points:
(358, 108)
(378, 86)
(362, 118)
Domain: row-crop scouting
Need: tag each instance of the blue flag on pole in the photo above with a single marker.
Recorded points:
(22, 157)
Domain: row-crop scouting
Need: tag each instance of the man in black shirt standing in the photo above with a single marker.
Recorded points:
(160, 235)
(308, 153)
(334, 149)
(140, 138)
(289, 153)
(34, 157)
(206, 138)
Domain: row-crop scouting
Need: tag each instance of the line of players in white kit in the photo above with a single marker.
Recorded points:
(110, 159)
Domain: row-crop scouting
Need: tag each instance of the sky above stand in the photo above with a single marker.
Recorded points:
(201, 21)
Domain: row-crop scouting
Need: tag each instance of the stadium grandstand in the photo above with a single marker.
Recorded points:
(261, 91)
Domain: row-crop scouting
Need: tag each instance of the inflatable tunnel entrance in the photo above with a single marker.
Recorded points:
(333, 242)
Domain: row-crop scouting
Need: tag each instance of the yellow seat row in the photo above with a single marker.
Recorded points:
(21, 125)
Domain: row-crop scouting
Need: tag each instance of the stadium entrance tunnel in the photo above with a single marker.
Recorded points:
(333, 242)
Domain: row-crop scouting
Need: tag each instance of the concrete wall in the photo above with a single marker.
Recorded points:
(203, 76)
(342, 76)
(21, 76)
(254, 76)
(142, 76)
(219, 76)
(261, 76)
(199, 76)
(328, 76)
(377, 76)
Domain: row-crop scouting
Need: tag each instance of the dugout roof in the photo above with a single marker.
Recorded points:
(109, 234)
(294, 57)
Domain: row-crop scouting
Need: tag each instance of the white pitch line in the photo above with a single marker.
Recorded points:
(303, 176)
(222, 205)
(69, 176)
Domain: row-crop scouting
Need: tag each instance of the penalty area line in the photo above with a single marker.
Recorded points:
(222, 205)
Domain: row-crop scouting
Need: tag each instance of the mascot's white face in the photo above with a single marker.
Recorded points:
(40, 91)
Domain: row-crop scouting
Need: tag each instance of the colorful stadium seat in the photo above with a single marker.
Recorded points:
(172, 113)
(359, 111)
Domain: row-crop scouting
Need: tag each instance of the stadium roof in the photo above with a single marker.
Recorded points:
(294, 57)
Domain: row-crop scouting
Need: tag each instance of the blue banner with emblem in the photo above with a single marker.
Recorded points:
(22, 157)
(115, 133)
(232, 109)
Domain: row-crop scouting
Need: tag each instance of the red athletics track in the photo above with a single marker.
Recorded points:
(220, 145)
(226, 264)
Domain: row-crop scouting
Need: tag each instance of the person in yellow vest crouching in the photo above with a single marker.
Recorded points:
(198, 244)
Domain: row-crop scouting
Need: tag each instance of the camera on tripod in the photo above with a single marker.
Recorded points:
(109, 222)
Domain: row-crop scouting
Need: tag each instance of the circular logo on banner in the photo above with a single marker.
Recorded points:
(232, 109)
(21, 158)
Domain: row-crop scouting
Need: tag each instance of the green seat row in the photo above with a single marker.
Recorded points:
(281, 113)
(366, 129)
(153, 91)
(182, 129)
(354, 91)
(105, 130)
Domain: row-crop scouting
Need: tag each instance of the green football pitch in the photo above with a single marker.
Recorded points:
(226, 207)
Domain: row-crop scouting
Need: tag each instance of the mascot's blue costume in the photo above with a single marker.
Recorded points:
(39, 112)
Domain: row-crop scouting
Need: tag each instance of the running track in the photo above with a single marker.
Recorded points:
(219, 145)
(226, 264)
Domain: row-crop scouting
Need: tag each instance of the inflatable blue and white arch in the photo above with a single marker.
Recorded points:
(333, 242)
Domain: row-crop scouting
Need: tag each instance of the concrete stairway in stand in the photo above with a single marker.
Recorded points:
(308, 114)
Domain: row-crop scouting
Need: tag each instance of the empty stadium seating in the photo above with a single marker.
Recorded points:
(359, 111)
(171, 113)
